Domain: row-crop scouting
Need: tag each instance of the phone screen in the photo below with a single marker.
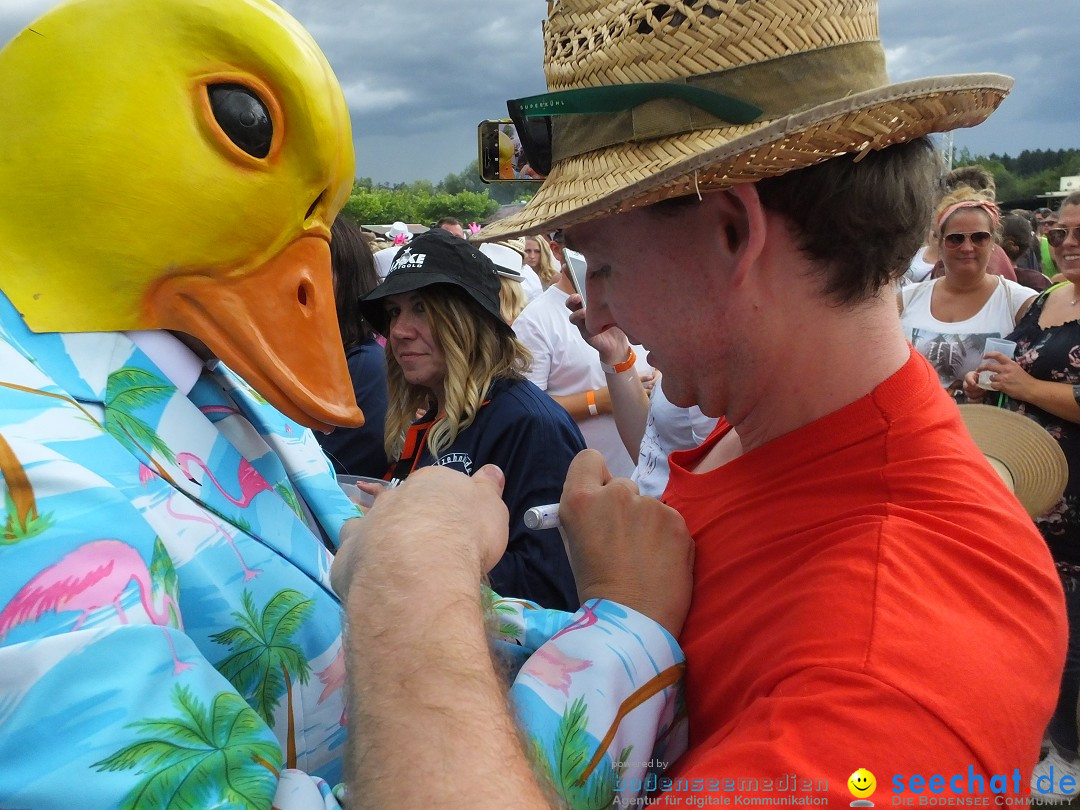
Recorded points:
(576, 267)
(500, 156)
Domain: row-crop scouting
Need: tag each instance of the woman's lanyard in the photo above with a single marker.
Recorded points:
(415, 442)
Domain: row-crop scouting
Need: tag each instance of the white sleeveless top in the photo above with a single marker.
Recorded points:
(956, 348)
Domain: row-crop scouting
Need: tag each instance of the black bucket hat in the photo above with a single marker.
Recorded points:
(437, 257)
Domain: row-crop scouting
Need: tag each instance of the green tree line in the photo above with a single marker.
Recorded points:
(463, 195)
(1029, 174)
(458, 195)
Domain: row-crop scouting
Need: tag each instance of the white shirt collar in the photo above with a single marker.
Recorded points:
(180, 364)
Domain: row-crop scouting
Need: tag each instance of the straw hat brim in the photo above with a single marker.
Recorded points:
(618, 178)
(1034, 461)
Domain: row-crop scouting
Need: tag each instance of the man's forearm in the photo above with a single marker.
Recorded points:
(630, 405)
(428, 724)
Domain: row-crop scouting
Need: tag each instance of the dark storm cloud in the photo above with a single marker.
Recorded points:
(419, 76)
(1031, 43)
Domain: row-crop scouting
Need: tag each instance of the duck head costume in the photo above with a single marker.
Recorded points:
(169, 164)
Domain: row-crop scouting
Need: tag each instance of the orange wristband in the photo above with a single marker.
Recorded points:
(590, 397)
(619, 368)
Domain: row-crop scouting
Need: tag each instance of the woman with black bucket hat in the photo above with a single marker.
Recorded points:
(451, 355)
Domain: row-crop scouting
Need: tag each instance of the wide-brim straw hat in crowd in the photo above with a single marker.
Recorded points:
(1026, 457)
(815, 68)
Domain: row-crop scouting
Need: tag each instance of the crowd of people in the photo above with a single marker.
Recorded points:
(1042, 382)
(949, 317)
(769, 546)
(461, 340)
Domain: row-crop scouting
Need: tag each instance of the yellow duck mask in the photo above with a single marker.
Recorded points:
(176, 164)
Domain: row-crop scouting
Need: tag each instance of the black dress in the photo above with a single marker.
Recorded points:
(1053, 354)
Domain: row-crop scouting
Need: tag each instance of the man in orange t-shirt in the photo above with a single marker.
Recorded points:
(857, 583)
(747, 186)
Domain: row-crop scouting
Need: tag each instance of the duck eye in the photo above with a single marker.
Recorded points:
(243, 117)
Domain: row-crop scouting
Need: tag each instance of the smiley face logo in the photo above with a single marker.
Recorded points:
(862, 784)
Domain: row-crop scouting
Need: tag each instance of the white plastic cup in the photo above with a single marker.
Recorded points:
(357, 495)
(1006, 347)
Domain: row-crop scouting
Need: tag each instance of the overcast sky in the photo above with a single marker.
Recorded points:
(419, 75)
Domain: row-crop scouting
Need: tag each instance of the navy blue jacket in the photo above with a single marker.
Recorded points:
(532, 439)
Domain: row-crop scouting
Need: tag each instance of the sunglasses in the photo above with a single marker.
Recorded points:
(955, 240)
(532, 115)
(1057, 236)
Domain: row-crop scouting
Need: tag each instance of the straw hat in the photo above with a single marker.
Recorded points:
(517, 244)
(816, 69)
(1026, 457)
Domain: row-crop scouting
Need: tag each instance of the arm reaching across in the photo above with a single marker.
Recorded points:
(625, 547)
(428, 716)
(601, 700)
(426, 694)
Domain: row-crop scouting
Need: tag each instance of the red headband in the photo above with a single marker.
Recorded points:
(990, 208)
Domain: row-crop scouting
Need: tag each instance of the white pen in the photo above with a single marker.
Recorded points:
(542, 517)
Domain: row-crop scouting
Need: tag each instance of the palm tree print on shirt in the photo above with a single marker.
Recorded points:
(566, 766)
(23, 520)
(287, 495)
(200, 758)
(129, 389)
(264, 661)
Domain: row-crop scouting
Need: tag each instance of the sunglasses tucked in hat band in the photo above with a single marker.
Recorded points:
(532, 117)
(437, 257)
(815, 69)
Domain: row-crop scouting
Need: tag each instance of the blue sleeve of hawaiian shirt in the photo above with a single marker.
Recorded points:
(598, 694)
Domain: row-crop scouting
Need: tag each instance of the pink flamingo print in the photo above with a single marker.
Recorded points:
(225, 409)
(553, 667)
(92, 577)
(588, 618)
(146, 475)
(333, 679)
(249, 573)
(251, 483)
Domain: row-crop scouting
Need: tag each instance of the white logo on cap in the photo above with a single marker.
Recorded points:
(408, 259)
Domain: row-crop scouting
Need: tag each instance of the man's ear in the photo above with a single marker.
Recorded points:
(741, 223)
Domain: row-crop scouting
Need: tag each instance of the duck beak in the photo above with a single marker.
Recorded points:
(275, 326)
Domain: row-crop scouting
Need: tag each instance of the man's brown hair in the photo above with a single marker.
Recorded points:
(860, 219)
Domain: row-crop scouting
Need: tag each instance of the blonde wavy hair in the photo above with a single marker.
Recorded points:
(477, 352)
(511, 299)
(549, 267)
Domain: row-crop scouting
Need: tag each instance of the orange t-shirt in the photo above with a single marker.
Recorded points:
(867, 594)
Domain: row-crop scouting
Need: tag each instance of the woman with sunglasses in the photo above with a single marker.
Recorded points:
(450, 355)
(1043, 383)
(948, 319)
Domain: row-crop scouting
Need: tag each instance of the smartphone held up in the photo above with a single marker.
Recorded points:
(501, 156)
(576, 269)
